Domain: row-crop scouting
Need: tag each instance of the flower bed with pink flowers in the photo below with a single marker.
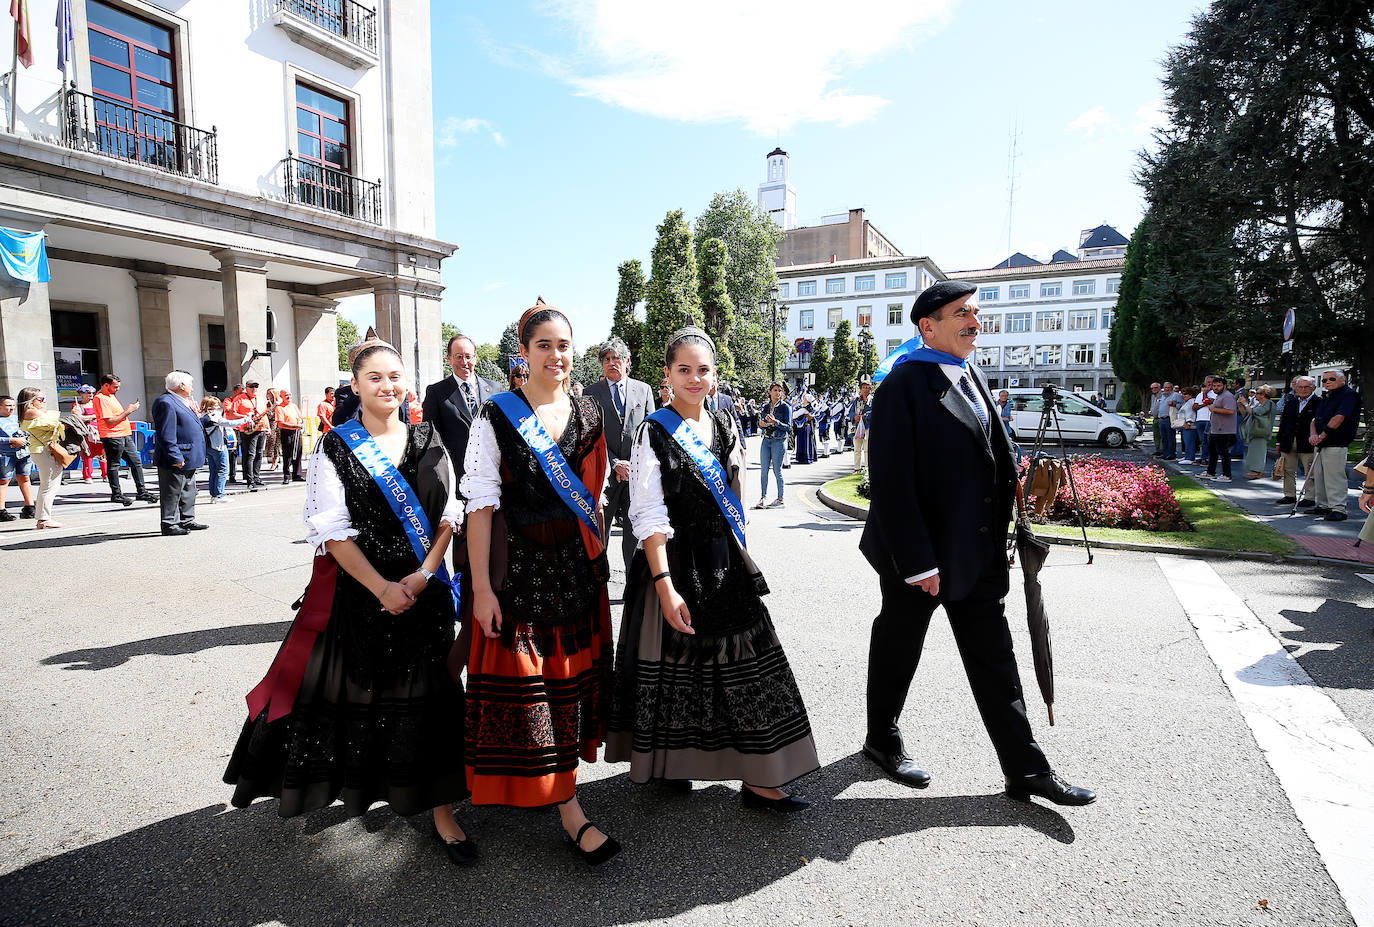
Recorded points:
(1119, 494)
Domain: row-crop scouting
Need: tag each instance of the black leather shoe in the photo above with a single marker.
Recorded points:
(1049, 787)
(1285, 500)
(174, 530)
(788, 804)
(1317, 510)
(460, 852)
(122, 500)
(7, 516)
(27, 511)
(601, 854)
(898, 766)
(1336, 515)
(193, 526)
(146, 496)
(1306, 504)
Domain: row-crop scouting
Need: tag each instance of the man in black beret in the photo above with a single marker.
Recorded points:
(943, 485)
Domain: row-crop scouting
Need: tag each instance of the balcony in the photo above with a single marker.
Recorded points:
(100, 126)
(343, 30)
(310, 183)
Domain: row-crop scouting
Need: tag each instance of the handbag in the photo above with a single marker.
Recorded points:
(1280, 468)
(61, 454)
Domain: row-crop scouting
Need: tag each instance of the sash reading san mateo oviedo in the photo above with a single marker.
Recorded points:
(278, 689)
(711, 470)
(562, 477)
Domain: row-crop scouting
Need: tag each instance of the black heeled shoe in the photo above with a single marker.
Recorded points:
(788, 804)
(607, 850)
(460, 852)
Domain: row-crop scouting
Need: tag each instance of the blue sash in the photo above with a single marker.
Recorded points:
(711, 470)
(562, 477)
(399, 495)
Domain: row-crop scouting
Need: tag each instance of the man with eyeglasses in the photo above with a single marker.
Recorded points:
(1333, 428)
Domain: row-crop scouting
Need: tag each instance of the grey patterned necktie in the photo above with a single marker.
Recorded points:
(470, 399)
(978, 408)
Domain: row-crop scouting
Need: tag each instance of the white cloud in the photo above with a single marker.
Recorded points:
(1150, 117)
(492, 287)
(1092, 123)
(452, 127)
(747, 61)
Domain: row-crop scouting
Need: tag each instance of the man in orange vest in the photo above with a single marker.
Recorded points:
(325, 411)
(252, 435)
(289, 423)
(117, 435)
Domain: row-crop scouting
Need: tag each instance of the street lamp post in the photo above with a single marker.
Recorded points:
(770, 305)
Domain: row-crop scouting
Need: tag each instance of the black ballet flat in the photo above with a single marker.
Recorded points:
(788, 804)
(677, 785)
(460, 852)
(607, 851)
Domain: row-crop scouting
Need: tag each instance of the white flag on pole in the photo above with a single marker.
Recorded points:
(65, 36)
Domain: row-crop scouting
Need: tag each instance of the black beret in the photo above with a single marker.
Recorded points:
(937, 297)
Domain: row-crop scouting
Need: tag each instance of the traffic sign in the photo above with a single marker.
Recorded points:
(1290, 321)
(1287, 347)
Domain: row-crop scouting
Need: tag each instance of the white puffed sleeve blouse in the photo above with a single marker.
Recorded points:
(648, 510)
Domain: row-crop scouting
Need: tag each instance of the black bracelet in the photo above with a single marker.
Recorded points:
(660, 576)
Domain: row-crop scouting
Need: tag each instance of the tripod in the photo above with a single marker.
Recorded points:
(1049, 414)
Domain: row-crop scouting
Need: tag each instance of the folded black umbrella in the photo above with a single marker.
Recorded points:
(1033, 551)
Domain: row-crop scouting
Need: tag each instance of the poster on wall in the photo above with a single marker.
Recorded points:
(67, 362)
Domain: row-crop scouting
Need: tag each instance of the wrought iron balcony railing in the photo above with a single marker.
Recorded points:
(345, 18)
(103, 126)
(314, 184)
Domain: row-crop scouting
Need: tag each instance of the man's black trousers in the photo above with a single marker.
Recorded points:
(979, 623)
(252, 444)
(290, 453)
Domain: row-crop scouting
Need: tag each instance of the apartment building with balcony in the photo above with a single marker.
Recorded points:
(211, 178)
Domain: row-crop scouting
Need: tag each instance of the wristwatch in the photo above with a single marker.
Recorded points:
(426, 574)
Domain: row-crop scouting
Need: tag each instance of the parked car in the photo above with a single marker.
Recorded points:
(1078, 419)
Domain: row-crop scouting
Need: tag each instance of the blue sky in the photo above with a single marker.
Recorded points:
(566, 129)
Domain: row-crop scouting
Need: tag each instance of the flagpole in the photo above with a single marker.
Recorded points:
(14, 77)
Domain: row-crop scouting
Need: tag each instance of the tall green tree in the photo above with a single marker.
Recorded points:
(672, 296)
(716, 306)
(586, 366)
(868, 353)
(506, 348)
(1264, 178)
(820, 365)
(844, 362)
(347, 335)
(751, 240)
(624, 324)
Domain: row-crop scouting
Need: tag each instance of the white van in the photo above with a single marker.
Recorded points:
(1078, 419)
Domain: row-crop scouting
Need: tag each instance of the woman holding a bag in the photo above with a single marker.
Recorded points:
(45, 433)
(1259, 426)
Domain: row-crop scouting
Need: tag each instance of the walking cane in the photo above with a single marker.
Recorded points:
(1302, 494)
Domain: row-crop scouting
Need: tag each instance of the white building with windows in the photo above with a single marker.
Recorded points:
(211, 177)
(872, 293)
(1050, 323)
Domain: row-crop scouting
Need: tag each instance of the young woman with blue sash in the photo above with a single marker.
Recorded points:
(359, 704)
(702, 688)
(540, 665)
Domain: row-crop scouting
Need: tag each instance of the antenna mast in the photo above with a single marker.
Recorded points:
(1013, 138)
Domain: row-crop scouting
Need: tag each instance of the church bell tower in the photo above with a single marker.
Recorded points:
(777, 197)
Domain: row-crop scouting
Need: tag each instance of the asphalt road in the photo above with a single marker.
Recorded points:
(129, 654)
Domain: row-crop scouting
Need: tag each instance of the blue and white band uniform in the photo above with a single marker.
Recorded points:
(562, 477)
(717, 480)
(399, 495)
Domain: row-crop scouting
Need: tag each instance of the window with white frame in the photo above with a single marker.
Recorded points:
(833, 317)
(865, 316)
(784, 290)
(1051, 289)
(1081, 354)
(1108, 316)
(1018, 291)
(892, 345)
(834, 285)
(1018, 321)
(895, 313)
(1113, 284)
(1106, 354)
(1016, 355)
(1082, 319)
(806, 288)
(989, 357)
(989, 294)
(1084, 287)
(895, 281)
(1109, 389)
(867, 282)
(808, 319)
(1049, 321)
(1048, 355)
(992, 324)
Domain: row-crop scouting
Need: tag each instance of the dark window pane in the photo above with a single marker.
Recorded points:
(108, 48)
(309, 146)
(155, 96)
(153, 65)
(106, 79)
(336, 155)
(335, 131)
(308, 121)
(101, 14)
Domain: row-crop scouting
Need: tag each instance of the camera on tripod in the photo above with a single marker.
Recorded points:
(1048, 392)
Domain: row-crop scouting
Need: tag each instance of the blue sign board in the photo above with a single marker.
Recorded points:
(1290, 320)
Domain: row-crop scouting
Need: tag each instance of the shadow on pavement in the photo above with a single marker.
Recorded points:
(1342, 638)
(825, 526)
(248, 866)
(80, 540)
(170, 645)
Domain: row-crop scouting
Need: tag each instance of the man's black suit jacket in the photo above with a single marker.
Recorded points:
(445, 409)
(1295, 427)
(942, 487)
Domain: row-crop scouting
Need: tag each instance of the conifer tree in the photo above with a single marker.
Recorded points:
(673, 301)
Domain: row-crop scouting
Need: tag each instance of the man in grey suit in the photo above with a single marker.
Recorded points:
(452, 403)
(624, 404)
